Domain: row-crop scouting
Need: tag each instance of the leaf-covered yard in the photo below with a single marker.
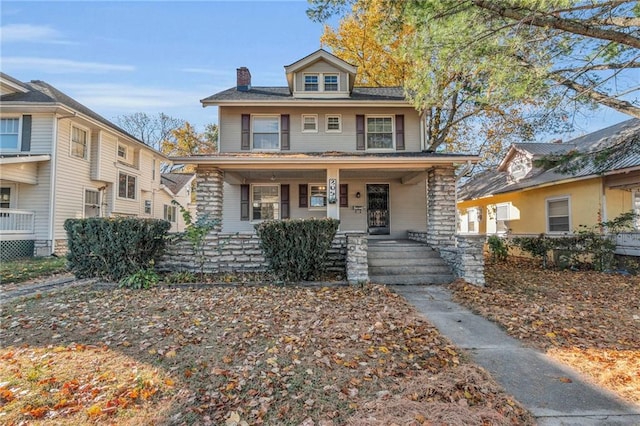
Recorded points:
(236, 355)
(588, 320)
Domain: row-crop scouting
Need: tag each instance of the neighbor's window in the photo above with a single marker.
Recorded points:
(127, 186)
(266, 132)
(169, 213)
(636, 208)
(311, 83)
(318, 196)
(379, 133)
(78, 142)
(5, 198)
(9, 129)
(265, 202)
(334, 123)
(331, 82)
(472, 220)
(558, 215)
(310, 123)
(147, 206)
(91, 203)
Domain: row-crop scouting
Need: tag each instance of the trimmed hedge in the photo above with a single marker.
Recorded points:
(296, 249)
(113, 248)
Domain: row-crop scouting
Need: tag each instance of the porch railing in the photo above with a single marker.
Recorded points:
(628, 243)
(16, 221)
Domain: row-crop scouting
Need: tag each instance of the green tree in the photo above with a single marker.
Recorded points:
(586, 51)
(461, 107)
(186, 141)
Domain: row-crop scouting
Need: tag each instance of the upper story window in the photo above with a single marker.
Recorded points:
(309, 123)
(380, 132)
(79, 139)
(126, 186)
(331, 82)
(334, 123)
(266, 132)
(9, 131)
(558, 215)
(123, 152)
(311, 82)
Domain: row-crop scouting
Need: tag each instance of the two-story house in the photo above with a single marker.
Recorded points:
(321, 147)
(60, 160)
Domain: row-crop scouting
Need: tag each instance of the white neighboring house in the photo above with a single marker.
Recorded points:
(177, 187)
(60, 160)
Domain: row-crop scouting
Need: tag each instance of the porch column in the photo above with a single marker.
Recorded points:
(333, 192)
(441, 207)
(209, 184)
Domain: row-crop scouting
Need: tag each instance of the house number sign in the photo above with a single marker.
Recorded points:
(332, 191)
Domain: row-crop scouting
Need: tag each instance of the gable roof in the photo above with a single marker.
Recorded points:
(176, 181)
(534, 150)
(621, 136)
(40, 93)
(320, 55)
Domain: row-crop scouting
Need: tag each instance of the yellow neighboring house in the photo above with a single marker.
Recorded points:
(519, 198)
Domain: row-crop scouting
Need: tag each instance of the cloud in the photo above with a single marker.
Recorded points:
(61, 66)
(206, 71)
(129, 97)
(13, 33)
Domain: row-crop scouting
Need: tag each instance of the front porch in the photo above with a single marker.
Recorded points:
(17, 233)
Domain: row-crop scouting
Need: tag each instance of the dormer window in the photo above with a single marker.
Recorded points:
(311, 82)
(331, 82)
(519, 167)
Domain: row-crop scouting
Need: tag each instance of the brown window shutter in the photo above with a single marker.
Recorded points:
(400, 132)
(244, 202)
(245, 143)
(284, 132)
(26, 133)
(303, 199)
(360, 132)
(284, 202)
(344, 195)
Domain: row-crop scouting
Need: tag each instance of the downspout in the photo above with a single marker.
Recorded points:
(52, 200)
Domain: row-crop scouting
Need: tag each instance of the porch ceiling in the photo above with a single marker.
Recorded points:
(244, 176)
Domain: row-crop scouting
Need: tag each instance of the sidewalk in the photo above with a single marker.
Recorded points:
(529, 375)
(9, 292)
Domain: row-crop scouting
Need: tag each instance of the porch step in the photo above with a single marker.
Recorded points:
(406, 262)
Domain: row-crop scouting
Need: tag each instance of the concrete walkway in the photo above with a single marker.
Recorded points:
(11, 291)
(529, 375)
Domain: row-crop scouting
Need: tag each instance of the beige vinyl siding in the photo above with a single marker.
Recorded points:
(25, 172)
(407, 207)
(230, 127)
(107, 159)
(42, 133)
(73, 177)
(320, 67)
(95, 154)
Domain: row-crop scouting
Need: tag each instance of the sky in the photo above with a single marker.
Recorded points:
(122, 57)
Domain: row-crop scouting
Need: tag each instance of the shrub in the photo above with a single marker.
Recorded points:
(498, 247)
(180, 277)
(143, 279)
(296, 249)
(114, 248)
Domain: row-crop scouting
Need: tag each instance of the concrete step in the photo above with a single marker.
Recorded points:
(396, 256)
(441, 269)
(412, 279)
(401, 248)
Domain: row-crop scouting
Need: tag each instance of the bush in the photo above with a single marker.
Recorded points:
(112, 249)
(144, 278)
(498, 248)
(296, 249)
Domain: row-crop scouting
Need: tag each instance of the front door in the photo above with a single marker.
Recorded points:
(378, 208)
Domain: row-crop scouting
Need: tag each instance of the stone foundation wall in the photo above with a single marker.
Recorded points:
(357, 258)
(42, 248)
(60, 247)
(466, 257)
(441, 207)
(238, 253)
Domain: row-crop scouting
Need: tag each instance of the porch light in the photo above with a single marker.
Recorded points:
(358, 195)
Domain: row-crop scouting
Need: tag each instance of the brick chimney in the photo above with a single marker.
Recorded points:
(244, 79)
